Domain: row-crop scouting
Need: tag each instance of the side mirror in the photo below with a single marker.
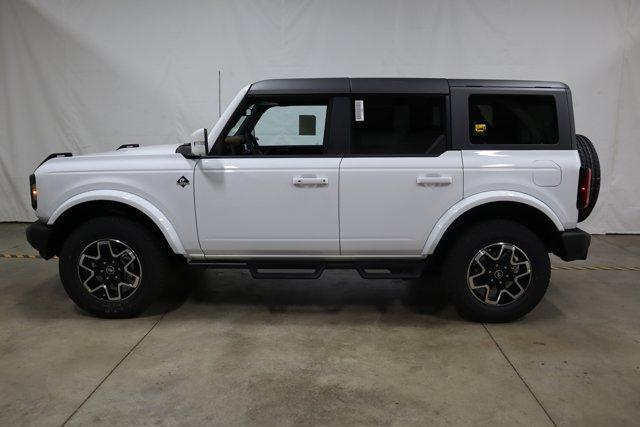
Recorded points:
(199, 142)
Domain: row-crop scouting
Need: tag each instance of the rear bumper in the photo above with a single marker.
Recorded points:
(573, 245)
(41, 237)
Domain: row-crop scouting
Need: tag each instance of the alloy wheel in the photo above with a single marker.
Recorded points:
(499, 274)
(109, 270)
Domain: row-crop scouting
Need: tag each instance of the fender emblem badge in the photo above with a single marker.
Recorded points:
(182, 182)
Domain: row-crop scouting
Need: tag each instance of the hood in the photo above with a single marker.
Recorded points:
(147, 150)
(111, 160)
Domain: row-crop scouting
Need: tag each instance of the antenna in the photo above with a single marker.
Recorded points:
(219, 94)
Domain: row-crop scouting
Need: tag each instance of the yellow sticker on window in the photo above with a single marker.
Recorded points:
(480, 128)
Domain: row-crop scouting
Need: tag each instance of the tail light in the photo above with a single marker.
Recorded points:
(33, 191)
(584, 188)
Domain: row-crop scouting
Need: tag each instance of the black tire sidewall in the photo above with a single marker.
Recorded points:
(141, 240)
(589, 159)
(469, 242)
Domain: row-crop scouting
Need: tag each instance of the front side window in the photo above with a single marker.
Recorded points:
(291, 125)
(513, 119)
(277, 127)
(398, 125)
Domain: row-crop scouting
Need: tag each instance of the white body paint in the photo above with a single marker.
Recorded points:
(327, 207)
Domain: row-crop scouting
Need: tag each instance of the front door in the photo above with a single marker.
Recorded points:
(270, 188)
(399, 178)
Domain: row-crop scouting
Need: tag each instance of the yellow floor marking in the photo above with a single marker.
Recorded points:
(21, 256)
(594, 268)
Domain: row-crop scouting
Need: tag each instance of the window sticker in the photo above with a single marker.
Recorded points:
(306, 124)
(359, 111)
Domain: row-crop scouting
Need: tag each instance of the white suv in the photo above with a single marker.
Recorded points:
(477, 180)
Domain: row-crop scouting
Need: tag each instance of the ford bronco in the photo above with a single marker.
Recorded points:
(475, 181)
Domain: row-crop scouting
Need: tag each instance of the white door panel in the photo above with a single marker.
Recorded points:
(267, 206)
(551, 176)
(388, 205)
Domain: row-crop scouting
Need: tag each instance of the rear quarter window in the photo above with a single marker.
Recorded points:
(513, 119)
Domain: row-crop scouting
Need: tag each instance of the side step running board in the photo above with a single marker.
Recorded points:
(284, 270)
(301, 269)
(390, 269)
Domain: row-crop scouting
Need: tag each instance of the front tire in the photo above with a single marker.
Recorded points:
(496, 271)
(113, 267)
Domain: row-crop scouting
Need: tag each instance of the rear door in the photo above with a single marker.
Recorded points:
(399, 177)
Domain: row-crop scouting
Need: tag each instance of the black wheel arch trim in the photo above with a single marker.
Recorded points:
(42, 237)
(573, 245)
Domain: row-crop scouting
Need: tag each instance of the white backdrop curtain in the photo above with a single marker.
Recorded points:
(90, 75)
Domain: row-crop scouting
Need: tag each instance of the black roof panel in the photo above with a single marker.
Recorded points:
(399, 85)
(506, 83)
(299, 86)
(384, 85)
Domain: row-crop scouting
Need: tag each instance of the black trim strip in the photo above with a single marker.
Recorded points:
(54, 156)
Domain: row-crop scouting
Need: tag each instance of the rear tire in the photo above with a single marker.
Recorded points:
(488, 290)
(113, 267)
(589, 159)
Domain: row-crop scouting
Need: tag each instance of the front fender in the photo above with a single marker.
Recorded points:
(132, 200)
(480, 199)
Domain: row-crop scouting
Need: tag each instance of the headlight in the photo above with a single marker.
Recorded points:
(34, 191)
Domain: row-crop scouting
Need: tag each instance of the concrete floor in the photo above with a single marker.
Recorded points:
(335, 351)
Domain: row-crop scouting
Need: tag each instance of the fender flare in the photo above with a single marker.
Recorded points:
(475, 200)
(143, 205)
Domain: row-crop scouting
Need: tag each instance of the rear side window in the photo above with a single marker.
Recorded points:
(409, 125)
(513, 119)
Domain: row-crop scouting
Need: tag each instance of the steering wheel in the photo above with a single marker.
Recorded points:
(253, 143)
